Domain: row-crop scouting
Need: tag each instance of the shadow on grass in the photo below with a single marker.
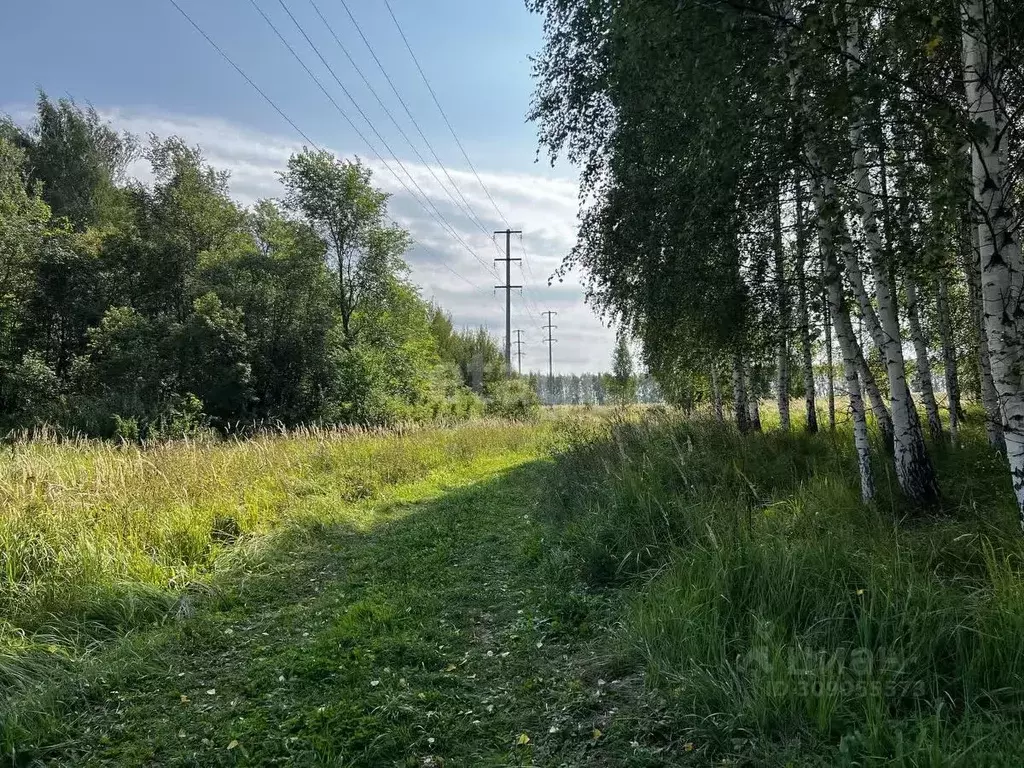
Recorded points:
(439, 635)
(784, 621)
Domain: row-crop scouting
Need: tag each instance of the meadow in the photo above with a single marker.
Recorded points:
(99, 539)
(785, 622)
(616, 588)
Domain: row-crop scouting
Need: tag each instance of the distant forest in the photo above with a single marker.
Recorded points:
(146, 310)
(593, 389)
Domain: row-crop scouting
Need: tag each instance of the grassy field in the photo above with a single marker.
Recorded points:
(586, 590)
(787, 624)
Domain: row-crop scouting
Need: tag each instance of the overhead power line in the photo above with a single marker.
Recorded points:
(508, 295)
(373, 91)
(550, 342)
(519, 349)
(436, 214)
(440, 109)
(531, 306)
(437, 102)
(410, 115)
(240, 71)
(294, 125)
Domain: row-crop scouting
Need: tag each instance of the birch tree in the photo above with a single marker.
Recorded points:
(996, 216)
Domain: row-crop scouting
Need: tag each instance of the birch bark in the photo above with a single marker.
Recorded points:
(948, 358)
(823, 195)
(924, 366)
(831, 383)
(989, 397)
(782, 306)
(803, 316)
(914, 470)
(716, 393)
(739, 394)
(999, 251)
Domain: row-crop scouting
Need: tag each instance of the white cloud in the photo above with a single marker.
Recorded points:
(544, 208)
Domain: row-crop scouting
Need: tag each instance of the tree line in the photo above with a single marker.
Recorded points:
(768, 180)
(622, 386)
(146, 310)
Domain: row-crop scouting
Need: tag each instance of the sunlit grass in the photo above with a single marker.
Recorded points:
(97, 538)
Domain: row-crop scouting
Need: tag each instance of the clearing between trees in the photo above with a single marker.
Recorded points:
(580, 591)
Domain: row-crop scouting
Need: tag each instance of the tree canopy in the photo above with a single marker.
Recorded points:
(766, 183)
(154, 309)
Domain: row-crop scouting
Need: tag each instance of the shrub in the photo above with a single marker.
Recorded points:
(512, 399)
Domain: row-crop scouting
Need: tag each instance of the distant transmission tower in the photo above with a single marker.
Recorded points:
(519, 350)
(550, 342)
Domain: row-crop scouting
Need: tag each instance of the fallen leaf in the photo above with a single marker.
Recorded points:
(596, 734)
(523, 739)
(233, 744)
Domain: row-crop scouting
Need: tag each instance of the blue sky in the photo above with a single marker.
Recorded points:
(146, 69)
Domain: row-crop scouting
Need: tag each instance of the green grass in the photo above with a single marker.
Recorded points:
(94, 535)
(786, 623)
(413, 621)
(586, 590)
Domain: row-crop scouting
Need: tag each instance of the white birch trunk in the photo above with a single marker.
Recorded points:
(803, 317)
(952, 377)
(924, 366)
(989, 398)
(755, 414)
(870, 388)
(716, 393)
(914, 470)
(845, 334)
(782, 305)
(830, 389)
(739, 394)
(823, 195)
(999, 252)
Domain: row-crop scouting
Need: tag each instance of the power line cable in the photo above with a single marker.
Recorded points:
(390, 115)
(436, 215)
(240, 71)
(287, 119)
(373, 91)
(412, 118)
(448, 123)
(382, 140)
(437, 102)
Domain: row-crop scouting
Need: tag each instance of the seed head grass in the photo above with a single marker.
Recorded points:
(98, 539)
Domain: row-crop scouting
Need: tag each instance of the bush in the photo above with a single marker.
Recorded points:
(512, 399)
(35, 389)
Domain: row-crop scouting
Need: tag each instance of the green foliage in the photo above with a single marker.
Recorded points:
(78, 160)
(621, 384)
(513, 399)
(479, 357)
(350, 216)
(144, 311)
(35, 390)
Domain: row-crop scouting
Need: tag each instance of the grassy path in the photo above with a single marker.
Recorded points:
(427, 635)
